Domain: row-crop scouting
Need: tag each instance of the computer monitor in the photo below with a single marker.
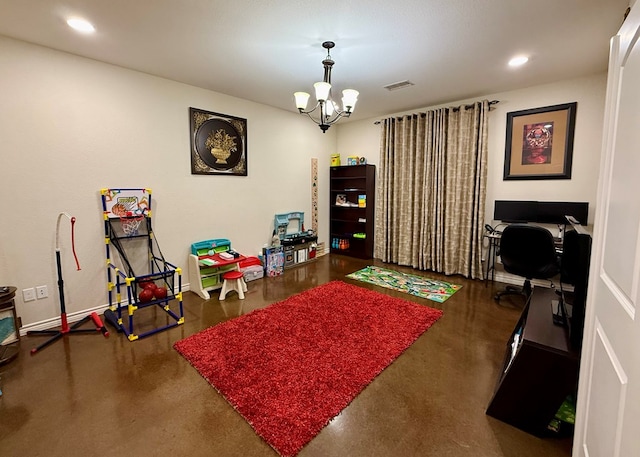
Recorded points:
(556, 212)
(515, 211)
(540, 211)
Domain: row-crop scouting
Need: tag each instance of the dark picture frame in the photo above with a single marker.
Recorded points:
(539, 143)
(218, 143)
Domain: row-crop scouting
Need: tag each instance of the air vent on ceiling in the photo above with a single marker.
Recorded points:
(398, 85)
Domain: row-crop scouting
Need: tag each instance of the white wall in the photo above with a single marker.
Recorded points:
(70, 126)
(363, 138)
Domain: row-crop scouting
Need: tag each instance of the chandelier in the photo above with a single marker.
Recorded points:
(326, 112)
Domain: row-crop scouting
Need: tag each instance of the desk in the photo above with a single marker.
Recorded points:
(205, 272)
(492, 252)
(540, 368)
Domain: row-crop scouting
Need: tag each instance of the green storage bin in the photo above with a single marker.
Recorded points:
(210, 281)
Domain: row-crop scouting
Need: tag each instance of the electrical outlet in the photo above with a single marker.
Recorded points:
(29, 294)
(42, 292)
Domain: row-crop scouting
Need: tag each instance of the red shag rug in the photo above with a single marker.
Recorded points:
(291, 367)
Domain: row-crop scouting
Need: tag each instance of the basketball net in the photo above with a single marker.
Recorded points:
(130, 223)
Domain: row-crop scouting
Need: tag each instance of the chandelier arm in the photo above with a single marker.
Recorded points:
(337, 112)
(309, 111)
(337, 115)
(335, 118)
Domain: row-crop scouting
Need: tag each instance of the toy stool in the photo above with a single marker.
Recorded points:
(233, 280)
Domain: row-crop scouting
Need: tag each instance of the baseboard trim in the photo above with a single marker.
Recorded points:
(57, 321)
(48, 324)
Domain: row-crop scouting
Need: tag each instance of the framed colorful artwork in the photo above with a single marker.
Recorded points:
(539, 143)
(218, 143)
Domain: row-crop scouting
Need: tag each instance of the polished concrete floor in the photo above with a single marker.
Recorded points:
(87, 395)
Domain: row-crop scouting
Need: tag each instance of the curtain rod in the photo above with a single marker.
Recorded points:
(491, 103)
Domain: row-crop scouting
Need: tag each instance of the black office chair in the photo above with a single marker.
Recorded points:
(528, 251)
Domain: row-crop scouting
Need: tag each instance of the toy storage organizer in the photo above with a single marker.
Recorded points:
(251, 269)
(127, 227)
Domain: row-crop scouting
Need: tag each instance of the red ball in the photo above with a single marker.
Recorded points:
(146, 295)
(160, 292)
(146, 284)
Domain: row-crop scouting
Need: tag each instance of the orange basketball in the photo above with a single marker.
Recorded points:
(118, 209)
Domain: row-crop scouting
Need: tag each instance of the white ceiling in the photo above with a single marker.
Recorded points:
(264, 50)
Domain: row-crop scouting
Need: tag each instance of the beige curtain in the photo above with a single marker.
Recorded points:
(431, 190)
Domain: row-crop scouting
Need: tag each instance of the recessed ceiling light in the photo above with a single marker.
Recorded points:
(517, 61)
(81, 25)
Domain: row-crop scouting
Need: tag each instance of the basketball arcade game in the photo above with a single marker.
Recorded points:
(150, 281)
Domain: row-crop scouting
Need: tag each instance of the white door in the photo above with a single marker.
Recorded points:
(608, 414)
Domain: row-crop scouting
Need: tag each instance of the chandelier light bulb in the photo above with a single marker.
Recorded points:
(322, 91)
(349, 99)
(329, 108)
(302, 98)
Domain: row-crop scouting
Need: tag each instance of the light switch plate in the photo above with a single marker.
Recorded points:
(29, 294)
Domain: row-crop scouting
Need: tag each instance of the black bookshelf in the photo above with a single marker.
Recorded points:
(350, 223)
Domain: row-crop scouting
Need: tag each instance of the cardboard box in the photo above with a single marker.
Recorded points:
(273, 261)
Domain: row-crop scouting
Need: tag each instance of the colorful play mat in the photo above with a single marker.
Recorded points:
(419, 286)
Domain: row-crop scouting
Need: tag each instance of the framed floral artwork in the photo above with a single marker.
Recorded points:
(218, 143)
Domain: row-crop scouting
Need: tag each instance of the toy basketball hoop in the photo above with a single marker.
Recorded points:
(130, 223)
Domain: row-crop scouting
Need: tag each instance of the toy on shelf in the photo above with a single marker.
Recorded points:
(275, 240)
(351, 160)
(140, 270)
